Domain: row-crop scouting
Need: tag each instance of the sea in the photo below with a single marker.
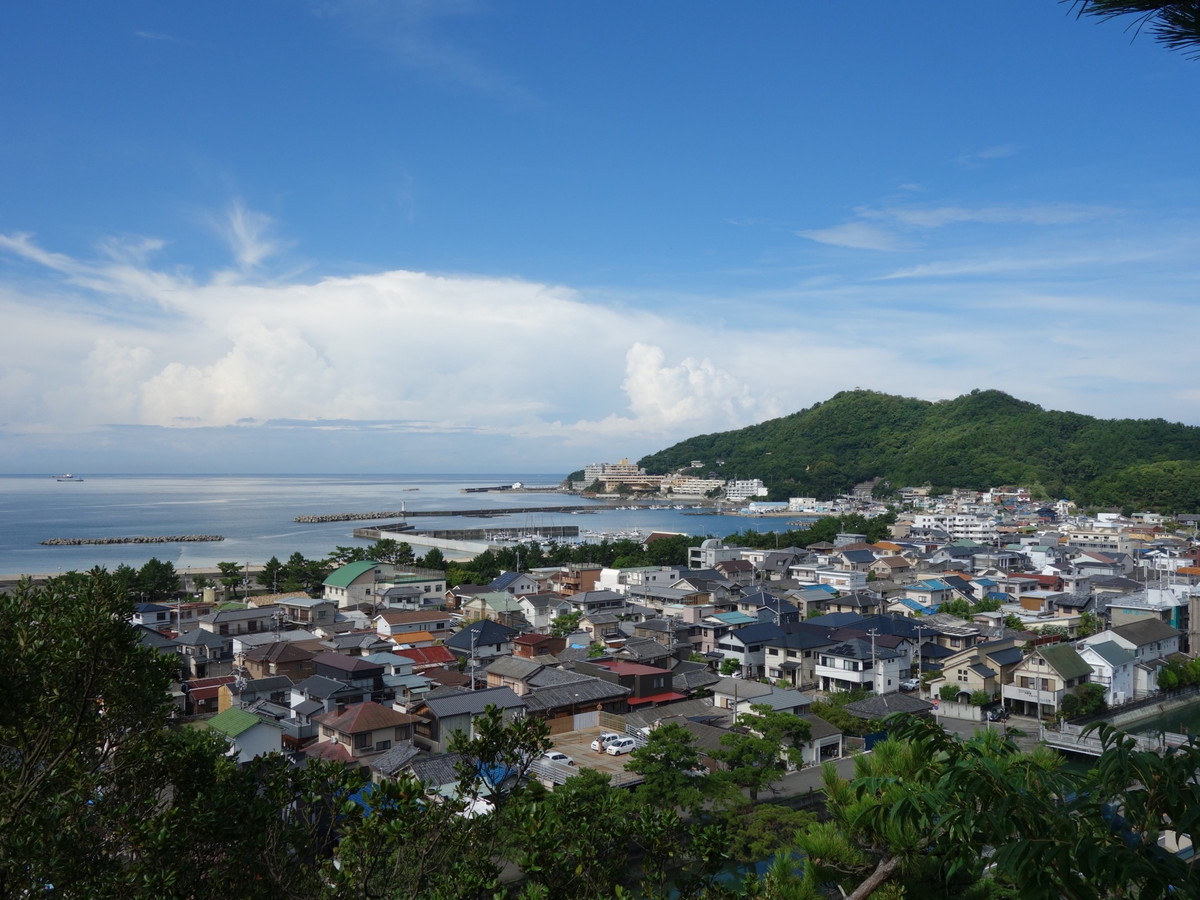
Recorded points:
(256, 515)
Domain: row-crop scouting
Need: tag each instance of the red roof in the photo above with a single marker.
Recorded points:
(207, 688)
(621, 667)
(668, 697)
(427, 656)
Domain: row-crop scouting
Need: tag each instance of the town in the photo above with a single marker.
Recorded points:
(974, 612)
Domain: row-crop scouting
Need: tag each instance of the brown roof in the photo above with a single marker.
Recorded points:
(332, 750)
(362, 717)
(280, 651)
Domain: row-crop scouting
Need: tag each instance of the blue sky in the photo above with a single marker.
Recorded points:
(460, 235)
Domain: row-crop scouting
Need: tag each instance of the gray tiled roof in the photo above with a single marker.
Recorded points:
(473, 702)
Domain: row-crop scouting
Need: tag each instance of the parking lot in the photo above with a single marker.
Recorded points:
(578, 746)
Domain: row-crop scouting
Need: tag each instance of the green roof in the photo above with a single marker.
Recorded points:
(1064, 660)
(346, 575)
(233, 722)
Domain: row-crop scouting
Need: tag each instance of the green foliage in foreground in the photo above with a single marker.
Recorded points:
(100, 797)
(979, 440)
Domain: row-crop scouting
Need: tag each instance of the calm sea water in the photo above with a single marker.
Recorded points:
(255, 513)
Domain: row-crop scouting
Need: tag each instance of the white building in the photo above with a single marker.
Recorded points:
(745, 489)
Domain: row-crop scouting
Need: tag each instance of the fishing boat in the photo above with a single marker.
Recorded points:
(67, 476)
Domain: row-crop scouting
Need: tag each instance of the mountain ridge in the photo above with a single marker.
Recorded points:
(982, 439)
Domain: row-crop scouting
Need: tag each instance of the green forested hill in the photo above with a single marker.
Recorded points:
(979, 440)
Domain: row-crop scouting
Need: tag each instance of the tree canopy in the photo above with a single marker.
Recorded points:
(979, 440)
(1176, 25)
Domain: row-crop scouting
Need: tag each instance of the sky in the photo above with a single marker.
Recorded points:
(366, 236)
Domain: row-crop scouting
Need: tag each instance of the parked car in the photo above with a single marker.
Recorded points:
(619, 746)
(559, 757)
(605, 737)
(912, 684)
(999, 714)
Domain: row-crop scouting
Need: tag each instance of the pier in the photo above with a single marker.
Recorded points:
(488, 513)
(470, 541)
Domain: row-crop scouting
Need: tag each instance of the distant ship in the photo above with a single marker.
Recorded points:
(67, 476)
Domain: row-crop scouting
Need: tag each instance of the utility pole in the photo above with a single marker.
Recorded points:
(874, 662)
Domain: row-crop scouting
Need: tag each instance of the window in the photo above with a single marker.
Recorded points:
(383, 745)
(362, 741)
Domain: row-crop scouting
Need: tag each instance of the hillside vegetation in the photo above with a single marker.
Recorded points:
(979, 440)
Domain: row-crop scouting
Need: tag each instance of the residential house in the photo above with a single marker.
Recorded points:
(767, 607)
(1152, 642)
(530, 646)
(200, 694)
(858, 664)
(205, 654)
(354, 732)
(444, 715)
(354, 583)
(307, 612)
(498, 606)
(648, 685)
(983, 667)
(541, 609)
(394, 623)
(152, 615)
(411, 590)
(356, 671)
(515, 584)
(892, 568)
(428, 660)
(576, 578)
(481, 640)
(1113, 667)
(792, 655)
(252, 620)
(739, 695)
(319, 693)
(248, 735)
(245, 692)
(356, 643)
(1042, 679)
(746, 646)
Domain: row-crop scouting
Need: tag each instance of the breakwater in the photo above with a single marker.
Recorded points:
(139, 539)
(467, 513)
(352, 517)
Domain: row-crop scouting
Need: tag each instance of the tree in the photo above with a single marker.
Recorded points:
(434, 559)
(553, 852)
(156, 580)
(669, 765)
(729, 665)
(495, 757)
(762, 748)
(85, 706)
(388, 550)
(271, 575)
(231, 576)
(1089, 624)
(1177, 25)
(567, 623)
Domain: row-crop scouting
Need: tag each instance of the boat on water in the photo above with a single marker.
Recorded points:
(67, 476)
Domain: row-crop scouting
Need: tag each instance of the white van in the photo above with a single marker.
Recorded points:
(619, 746)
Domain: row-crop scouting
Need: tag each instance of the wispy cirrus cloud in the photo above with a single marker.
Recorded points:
(857, 236)
(898, 227)
(977, 158)
(411, 33)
